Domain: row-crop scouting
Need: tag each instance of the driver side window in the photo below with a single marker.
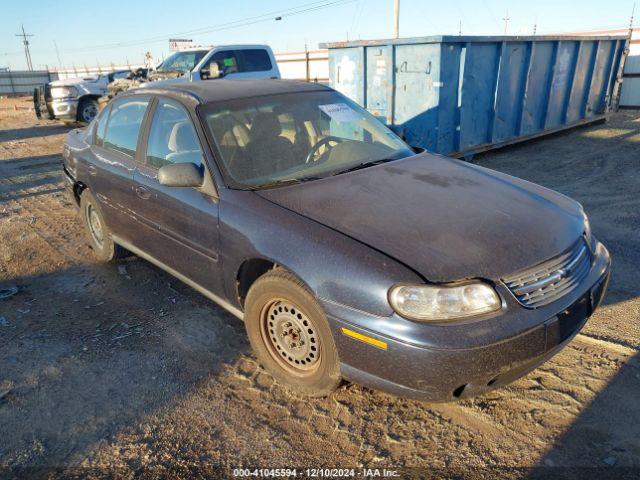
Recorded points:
(223, 63)
(172, 138)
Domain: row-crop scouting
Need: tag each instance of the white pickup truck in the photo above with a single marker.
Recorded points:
(76, 99)
(73, 99)
(207, 63)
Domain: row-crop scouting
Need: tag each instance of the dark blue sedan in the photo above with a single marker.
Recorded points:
(347, 254)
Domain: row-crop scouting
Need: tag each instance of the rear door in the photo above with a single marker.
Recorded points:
(178, 226)
(113, 152)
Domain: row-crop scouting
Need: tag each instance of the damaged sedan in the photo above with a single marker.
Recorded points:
(348, 255)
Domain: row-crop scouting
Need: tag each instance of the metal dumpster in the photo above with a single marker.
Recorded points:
(462, 95)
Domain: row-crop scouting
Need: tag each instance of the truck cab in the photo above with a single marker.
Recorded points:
(206, 63)
(228, 61)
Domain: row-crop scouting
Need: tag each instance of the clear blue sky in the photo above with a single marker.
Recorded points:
(108, 31)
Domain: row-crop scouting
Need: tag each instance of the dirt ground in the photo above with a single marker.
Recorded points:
(120, 369)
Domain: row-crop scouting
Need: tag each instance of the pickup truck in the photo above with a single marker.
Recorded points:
(206, 63)
(73, 99)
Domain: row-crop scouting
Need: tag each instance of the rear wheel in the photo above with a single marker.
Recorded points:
(290, 335)
(99, 234)
(87, 110)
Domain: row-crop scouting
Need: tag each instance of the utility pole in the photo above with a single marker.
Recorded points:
(58, 55)
(506, 19)
(25, 42)
(396, 18)
(460, 28)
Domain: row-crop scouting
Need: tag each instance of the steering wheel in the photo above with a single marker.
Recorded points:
(324, 141)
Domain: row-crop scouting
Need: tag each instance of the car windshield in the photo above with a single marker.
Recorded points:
(182, 62)
(288, 138)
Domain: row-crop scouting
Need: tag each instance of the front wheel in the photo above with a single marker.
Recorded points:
(290, 335)
(87, 110)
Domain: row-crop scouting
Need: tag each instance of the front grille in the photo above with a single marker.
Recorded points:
(548, 281)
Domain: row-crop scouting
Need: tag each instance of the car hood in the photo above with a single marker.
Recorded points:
(444, 218)
(159, 79)
(65, 82)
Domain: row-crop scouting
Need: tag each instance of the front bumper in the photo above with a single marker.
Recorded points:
(66, 109)
(466, 359)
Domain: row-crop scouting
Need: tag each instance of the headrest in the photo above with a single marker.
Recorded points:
(265, 125)
(181, 137)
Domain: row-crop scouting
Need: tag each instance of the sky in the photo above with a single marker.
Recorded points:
(119, 31)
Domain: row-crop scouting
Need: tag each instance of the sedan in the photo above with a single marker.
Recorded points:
(347, 254)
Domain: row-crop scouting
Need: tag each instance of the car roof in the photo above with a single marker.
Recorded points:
(206, 91)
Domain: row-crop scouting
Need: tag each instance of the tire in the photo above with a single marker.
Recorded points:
(87, 110)
(36, 102)
(104, 248)
(290, 335)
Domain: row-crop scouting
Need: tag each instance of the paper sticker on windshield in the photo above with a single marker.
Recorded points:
(340, 112)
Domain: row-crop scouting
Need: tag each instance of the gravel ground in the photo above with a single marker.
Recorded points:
(120, 369)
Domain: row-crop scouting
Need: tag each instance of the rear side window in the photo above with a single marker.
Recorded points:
(255, 60)
(124, 125)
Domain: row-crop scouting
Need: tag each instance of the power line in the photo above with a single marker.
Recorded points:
(265, 17)
(25, 42)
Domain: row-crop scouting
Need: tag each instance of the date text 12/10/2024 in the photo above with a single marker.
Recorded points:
(315, 473)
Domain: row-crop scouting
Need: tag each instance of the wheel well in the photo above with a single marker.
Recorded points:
(249, 272)
(78, 188)
(91, 96)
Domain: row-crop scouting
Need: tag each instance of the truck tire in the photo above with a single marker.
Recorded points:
(36, 102)
(290, 335)
(87, 110)
(104, 248)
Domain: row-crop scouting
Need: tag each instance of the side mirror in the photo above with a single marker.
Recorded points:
(181, 175)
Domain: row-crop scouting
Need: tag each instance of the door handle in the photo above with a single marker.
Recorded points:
(92, 170)
(143, 192)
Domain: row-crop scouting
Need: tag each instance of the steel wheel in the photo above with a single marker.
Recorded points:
(89, 111)
(103, 246)
(95, 225)
(291, 337)
(290, 334)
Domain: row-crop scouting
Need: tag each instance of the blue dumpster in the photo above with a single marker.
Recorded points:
(462, 95)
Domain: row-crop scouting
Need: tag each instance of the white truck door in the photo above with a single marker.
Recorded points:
(238, 62)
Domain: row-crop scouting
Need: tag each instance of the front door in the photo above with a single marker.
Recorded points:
(178, 226)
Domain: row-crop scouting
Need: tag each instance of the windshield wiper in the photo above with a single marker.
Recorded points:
(362, 165)
(284, 181)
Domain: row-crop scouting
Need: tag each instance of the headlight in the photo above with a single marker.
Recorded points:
(587, 233)
(443, 302)
(587, 225)
(64, 92)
